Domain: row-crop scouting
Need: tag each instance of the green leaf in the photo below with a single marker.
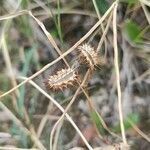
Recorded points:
(102, 6)
(28, 59)
(134, 118)
(129, 1)
(132, 31)
(24, 140)
(97, 120)
(54, 33)
(24, 4)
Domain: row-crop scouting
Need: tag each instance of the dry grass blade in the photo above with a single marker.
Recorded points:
(141, 77)
(116, 64)
(14, 15)
(147, 14)
(99, 17)
(52, 41)
(15, 148)
(57, 135)
(64, 11)
(104, 33)
(44, 120)
(145, 2)
(91, 106)
(142, 134)
(9, 67)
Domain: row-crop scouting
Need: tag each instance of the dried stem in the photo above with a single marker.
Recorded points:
(116, 64)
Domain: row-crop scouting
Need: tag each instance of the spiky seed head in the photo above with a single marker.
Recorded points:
(62, 79)
(89, 55)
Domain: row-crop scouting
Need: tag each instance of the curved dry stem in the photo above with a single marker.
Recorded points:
(50, 38)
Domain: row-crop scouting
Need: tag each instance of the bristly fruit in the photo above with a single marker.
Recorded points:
(62, 79)
(88, 54)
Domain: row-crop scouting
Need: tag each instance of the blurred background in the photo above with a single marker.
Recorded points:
(25, 49)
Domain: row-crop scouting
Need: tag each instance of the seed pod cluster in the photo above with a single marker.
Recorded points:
(65, 77)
